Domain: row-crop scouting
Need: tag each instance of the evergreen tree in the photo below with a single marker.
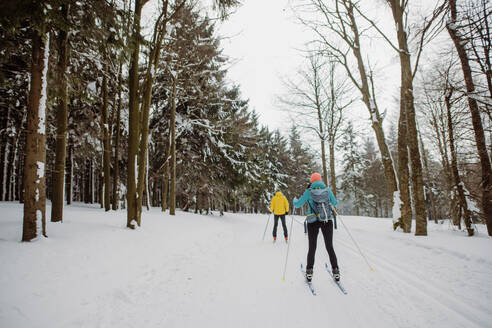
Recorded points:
(353, 168)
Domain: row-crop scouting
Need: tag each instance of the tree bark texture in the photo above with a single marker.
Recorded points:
(5, 155)
(154, 57)
(106, 144)
(69, 183)
(403, 173)
(172, 126)
(431, 201)
(407, 101)
(458, 184)
(486, 182)
(61, 122)
(116, 165)
(34, 170)
(165, 179)
(134, 118)
(370, 103)
(333, 182)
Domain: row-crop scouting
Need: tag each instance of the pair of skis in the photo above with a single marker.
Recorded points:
(310, 285)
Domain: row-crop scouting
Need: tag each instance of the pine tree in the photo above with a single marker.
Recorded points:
(353, 167)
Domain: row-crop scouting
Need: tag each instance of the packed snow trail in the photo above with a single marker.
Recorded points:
(211, 271)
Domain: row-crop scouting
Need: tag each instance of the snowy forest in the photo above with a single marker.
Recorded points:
(137, 177)
(94, 112)
(97, 111)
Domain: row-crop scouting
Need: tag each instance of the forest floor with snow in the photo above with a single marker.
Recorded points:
(214, 271)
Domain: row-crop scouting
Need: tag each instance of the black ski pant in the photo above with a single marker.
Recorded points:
(275, 224)
(327, 230)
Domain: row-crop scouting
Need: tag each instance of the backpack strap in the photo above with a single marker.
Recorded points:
(314, 212)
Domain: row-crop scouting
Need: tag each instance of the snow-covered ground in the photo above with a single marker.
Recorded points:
(211, 271)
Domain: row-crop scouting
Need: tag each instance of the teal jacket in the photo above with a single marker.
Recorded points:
(306, 197)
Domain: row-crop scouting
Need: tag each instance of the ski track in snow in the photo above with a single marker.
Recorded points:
(421, 290)
(211, 271)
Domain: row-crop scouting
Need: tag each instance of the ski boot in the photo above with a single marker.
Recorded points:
(336, 274)
(287, 239)
(309, 275)
(274, 239)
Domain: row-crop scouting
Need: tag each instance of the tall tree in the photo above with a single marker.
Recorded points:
(106, 140)
(407, 109)
(318, 100)
(458, 184)
(61, 117)
(35, 161)
(351, 184)
(453, 28)
(172, 136)
(134, 118)
(340, 35)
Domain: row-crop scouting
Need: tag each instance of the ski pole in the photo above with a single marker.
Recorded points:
(288, 245)
(360, 251)
(266, 227)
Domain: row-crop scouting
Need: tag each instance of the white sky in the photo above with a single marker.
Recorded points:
(266, 39)
(263, 37)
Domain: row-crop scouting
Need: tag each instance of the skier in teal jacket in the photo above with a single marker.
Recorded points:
(314, 224)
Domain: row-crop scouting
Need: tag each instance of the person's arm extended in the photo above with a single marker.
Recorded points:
(301, 201)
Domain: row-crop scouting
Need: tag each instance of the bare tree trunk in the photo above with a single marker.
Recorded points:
(87, 180)
(441, 139)
(15, 164)
(10, 170)
(34, 170)
(116, 165)
(332, 169)
(454, 167)
(100, 187)
(5, 156)
(18, 174)
(147, 190)
(172, 126)
(432, 205)
(407, 102)
(486, 182)
(154, 57)
(134, 118)
(106, 144)
(406, 204)
(322, 137)
(371, 105)
(22, 160)
(70, 173)
(61, 121)
(165, 179)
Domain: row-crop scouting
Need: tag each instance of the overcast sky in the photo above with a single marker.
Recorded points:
(263, 41)
(264, 38)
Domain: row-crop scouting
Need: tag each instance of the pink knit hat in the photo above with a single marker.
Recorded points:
(315, 177)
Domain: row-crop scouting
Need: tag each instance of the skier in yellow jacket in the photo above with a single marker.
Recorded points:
(279, 207)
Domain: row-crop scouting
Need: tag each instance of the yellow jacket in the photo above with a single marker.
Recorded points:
(279, 205)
